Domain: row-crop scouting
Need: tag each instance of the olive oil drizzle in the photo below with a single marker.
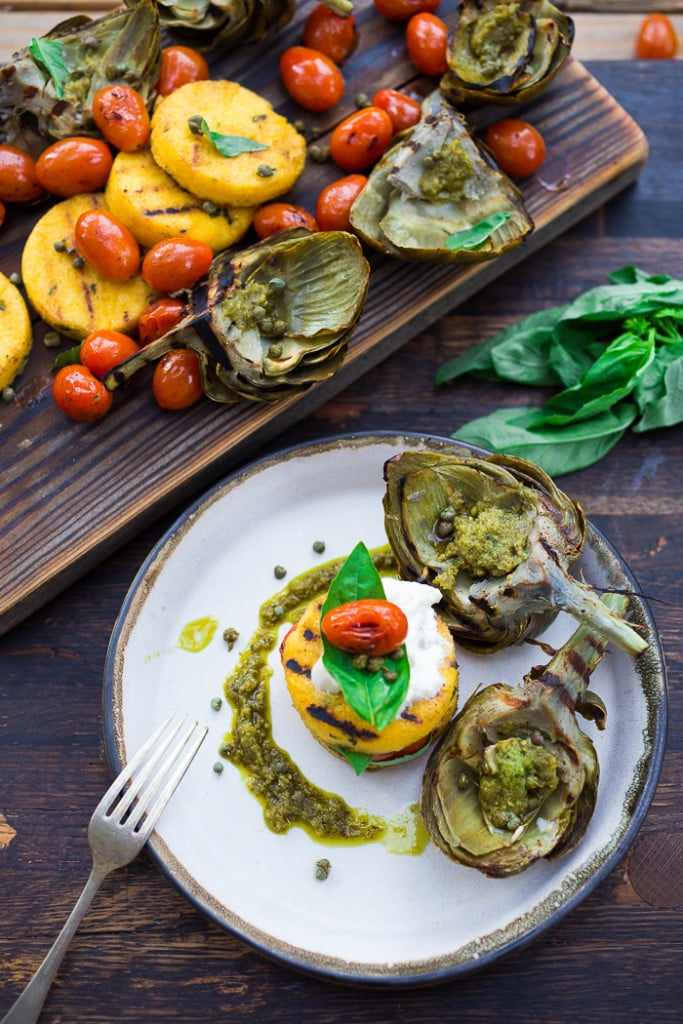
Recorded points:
(287, 797)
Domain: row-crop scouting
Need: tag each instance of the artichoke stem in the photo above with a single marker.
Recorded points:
(150, 353)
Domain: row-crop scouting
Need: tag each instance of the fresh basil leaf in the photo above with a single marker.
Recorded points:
(632, 275)
(49, 53)
(660, 392)
(472, 238)
(557, 450)
(67, 358)
(356, 580)
(231, 145)
(358, 762)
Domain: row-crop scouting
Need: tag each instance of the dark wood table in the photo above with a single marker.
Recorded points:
(142, 952)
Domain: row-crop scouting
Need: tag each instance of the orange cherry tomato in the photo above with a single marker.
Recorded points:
(334, 203)
(275, 217)
(657, 39)
(180, 65)
(518, 147)
(311, 78)
(107, 245)
(427, 43)
(102, 350)
(403, 110)
(367, 626)
(159, 318)
(361, 138)
(176, 382)
(80, 394)
(74, 165)
(176, 263)
(121, 116)
(331, 33)
(403, 10)
(18, 181)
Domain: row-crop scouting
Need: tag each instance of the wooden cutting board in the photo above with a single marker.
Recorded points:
(73, 493)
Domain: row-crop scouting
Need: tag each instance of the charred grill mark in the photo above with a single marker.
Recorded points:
(297, 668)
(481, 604)
(551, 551)
(409, 718)
(348, 728)
(311, 634)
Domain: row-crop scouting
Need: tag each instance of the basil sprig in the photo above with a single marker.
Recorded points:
(226, 145)
(616, 355)
(369, 694)
(473, 237)
(49, 53)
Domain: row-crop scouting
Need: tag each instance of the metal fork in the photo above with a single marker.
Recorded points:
(120, 826)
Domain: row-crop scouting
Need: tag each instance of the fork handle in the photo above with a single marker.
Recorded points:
(27, 1008)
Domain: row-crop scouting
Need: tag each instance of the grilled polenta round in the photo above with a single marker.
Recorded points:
(16, 335)
(155, 207)
(227, 110)
(337, 727)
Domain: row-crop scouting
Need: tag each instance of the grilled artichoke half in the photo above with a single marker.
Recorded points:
(497, 536)
(271, 319)
(505, 52)
(437, 195)
(514, 779)
(49, 96)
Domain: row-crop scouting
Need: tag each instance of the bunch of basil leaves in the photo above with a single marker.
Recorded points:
(617, 354)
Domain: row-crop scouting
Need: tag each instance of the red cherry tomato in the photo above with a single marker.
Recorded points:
(159, 318)
(176, 263)
(18, 181)
(275, 217)
(176, 382)
(80, 394)
(367, 626)
(334, 203)
(518, 147)
(74, 165)
(121, 116)
(657, 39)
(180, 65)
(403, 110)
(403, 10)
(427, 43)
(107, 245)
(331, 33)
(311, 79)
(361, 138)
(102, 350)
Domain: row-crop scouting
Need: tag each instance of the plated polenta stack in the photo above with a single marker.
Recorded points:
(391, 689)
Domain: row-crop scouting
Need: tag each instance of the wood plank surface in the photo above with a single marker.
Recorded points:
(56, 517)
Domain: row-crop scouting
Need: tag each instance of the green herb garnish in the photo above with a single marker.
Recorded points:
(49, 53)
(227, 145)
(472, 238)
(68, 357)
(368, 692)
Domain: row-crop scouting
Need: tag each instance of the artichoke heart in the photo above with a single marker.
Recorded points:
(271, 319)
(437, 195)
(514, 779)
(505, 51)
(46, 93)
(497, 537)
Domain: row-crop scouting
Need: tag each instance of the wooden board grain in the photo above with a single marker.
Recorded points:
(73, 493)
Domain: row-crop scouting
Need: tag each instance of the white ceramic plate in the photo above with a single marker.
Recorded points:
(380, 917)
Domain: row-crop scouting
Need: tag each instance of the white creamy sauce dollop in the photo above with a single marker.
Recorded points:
(425, 646)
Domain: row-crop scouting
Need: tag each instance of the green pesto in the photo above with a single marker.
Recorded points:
(247, 306)
(494, 36)
(198, 634)
(487, 540)
(518, 776)
(445, 172)
(287, 797)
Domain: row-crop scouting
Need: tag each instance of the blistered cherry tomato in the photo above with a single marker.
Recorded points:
(518, 147)
(80, 394)
(102, 350)
(121, 115)
(74, 165)
(311, 78)
(403, 110)
(334, 203)
(274, 217)
(331, 33)
(427, 43)
(107, 245)
(657, 39)
(176, 382)
(180, 65)
(403, 10)
(361, 138)
(367, 626)
(18, 181)
(159, 318)
(176, 263)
